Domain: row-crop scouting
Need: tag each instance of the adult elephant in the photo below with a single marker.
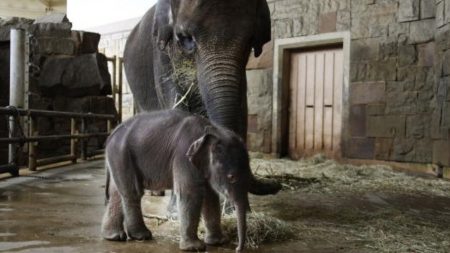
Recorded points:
(191, 54)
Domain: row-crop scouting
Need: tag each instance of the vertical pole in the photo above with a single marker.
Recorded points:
(32, 145)
(73, 142)
(108, 126)
(114, 79)
(26, 93)
(120, 69)
(16, 83)
(83, 140)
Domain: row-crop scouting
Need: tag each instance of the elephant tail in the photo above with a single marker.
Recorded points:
(259, 186)
(108, 179)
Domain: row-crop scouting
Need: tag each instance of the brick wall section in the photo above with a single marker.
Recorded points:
(400, 71)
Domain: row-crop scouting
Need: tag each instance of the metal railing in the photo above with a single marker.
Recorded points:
(117, 82)
(34, 138)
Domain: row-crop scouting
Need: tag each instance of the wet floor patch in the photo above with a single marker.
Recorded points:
(331, 207)
(9, 246)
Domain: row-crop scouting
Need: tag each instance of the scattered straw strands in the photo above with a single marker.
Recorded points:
(261, 228)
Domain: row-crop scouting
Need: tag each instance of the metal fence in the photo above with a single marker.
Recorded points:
(78, 137)
(19, 98)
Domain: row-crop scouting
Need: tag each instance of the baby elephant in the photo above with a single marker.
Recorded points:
(175, 150)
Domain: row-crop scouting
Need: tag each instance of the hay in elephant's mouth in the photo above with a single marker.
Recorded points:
(261, 228)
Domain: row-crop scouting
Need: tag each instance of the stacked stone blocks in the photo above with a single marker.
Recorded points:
(400, 72)
(66, 74)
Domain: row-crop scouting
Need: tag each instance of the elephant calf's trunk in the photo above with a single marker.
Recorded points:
(241, 213)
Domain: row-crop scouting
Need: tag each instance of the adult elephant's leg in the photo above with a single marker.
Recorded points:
(211, 216)
(138, 64)
(112, 224)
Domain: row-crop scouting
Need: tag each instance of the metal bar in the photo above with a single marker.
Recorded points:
(16, 83)
(32, 145)
(44, 113)
(114, 79)
(83, 141)
(97, 152)
(56, 159)
(12, 147)
(73, 142)
(120, 63)
(51, 137)
(108, 126)
(17, 68)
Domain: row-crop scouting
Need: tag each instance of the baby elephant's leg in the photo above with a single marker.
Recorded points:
(189, 208)
(211, 217)
(131, 190)
(134, 222)
(112, 224)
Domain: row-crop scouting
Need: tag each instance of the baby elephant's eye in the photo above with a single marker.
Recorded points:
(231, 178)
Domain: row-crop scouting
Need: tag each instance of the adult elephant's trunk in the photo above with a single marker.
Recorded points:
(223, 87)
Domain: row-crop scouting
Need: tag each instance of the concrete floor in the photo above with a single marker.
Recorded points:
(60, 210)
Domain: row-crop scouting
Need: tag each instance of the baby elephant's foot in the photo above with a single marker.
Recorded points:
(192, 245)
(139, 234)
(215, 240)
(114, 235)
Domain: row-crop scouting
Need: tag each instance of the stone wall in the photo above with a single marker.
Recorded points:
(67, 73)
(399, 104)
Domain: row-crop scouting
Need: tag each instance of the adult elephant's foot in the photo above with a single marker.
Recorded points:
(139, 234)
(192, 245)
(215, 240)
(114, 234)
(262, 186)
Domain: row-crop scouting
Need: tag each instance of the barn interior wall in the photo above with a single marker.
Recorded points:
(399, 74)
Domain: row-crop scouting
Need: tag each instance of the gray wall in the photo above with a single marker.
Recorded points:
(400, 58)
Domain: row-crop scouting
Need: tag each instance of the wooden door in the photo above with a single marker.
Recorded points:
(315, 111)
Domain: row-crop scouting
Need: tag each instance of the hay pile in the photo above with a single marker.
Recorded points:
(370, 208)
(319, 175)
(328, 207)
(261, 228)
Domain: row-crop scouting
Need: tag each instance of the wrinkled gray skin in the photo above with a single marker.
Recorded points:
(175, 150)
(216, 37)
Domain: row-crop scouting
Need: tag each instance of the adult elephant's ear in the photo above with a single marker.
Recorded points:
(263, 28)
(162, 25)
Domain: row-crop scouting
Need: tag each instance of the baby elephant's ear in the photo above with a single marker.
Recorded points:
(195, 147)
